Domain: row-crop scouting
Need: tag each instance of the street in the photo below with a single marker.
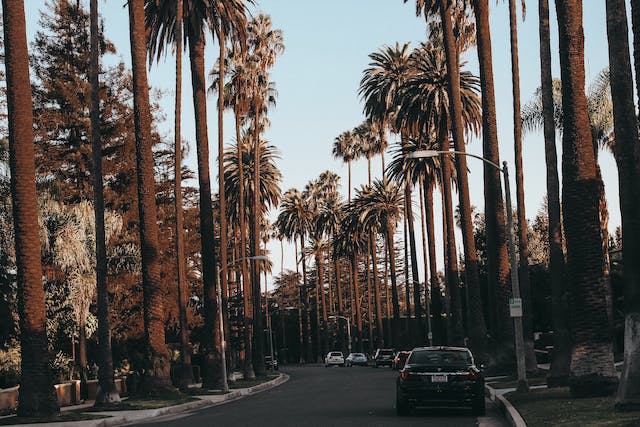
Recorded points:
(319, 396)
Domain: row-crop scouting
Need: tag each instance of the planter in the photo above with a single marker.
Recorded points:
(68, 393)
(8, 400)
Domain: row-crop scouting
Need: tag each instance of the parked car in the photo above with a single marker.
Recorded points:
(334, 358)
(440, 376)
(271, 363)
(383, 357)
(356, 359)
(400, 359)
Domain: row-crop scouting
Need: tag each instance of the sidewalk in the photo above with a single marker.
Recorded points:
(115, 418)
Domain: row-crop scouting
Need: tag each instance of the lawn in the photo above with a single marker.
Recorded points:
(539, 378)
(142, 403)
(555, 407)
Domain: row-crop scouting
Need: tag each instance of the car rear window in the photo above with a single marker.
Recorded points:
(385, 352)
(335, 354)
(440, 358)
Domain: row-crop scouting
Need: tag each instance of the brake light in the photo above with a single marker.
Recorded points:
(473, 374)
(404, 375)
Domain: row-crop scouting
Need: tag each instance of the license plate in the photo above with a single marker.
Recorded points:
(439, 378)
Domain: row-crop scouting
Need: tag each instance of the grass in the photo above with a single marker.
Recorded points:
(251, 383)
(555, 407)
(142, 403)
(539, 378)
(62, 417)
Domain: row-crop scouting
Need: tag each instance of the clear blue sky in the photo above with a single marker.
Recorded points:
(317, 78)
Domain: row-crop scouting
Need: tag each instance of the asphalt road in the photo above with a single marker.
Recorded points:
(319, 396)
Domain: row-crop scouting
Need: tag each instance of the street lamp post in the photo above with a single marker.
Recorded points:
(348, 327)
(223, 341)
(516, 312)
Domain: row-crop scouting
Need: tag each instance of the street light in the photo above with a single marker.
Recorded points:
(516, 305)
(223, 342)
(348, 327)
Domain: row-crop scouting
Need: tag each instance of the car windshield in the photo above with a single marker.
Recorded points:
(385, 352)
(335, 354)
(440, 358)
(358, 355)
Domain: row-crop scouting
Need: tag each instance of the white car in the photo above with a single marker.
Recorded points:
(334, 358)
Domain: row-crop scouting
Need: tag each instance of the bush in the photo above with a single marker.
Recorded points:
(10, 365)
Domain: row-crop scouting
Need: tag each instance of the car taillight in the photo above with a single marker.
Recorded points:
(404, 375)
(473, 374)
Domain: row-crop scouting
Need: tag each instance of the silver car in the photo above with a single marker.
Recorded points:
(356, 359)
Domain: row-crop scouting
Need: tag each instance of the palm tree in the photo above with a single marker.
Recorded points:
(381, 206)
(424, 108)
(265, 43)
(159, 16)
(561, 356)
(157, 376)
(37, 396)
(523, 245)
(108, 393)
(328, 223)
(627, 158)
(294, 221)
(592, 370)
(344, 148)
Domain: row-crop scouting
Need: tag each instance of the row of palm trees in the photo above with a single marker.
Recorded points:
(154, 27)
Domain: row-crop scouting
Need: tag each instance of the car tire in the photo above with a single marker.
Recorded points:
(479, 407)
(402, 408)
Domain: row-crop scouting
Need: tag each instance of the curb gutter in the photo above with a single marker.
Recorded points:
(506, 408)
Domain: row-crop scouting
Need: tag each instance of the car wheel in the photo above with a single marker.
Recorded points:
(402, 407)
(479, 408)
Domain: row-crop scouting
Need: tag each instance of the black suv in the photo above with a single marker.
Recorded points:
(440, 376)
(383, 356)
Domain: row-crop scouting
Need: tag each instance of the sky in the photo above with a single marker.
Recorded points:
(327, 47)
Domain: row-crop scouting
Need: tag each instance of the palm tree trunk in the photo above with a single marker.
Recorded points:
(407, 281)
(477, 328)
(246, 284)
(499, 288)
(108, 393)
(212, 378)
(356, 300)
(561, 356)
(387, 291)
(37, 398)
(455, 334)
(425, 261)
(436, 296)
(221, 189)
(376, 289)
(306, 320)
(185, 375)
(156, 376)
(336, 263)
(82, 353)
(628, 160)
(635, 20)
(367, 262)
(320, 283)
(592, 370)
(394, 286)
(523, 241)
(258, 336)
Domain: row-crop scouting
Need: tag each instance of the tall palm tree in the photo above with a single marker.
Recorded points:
(381, 206)
(344, 148)
(108, 393)
(592, 370)
(157, 376)
(561, 356)
(328, 223)
(159, 17)
(523, 244)
(294, 221)
(264, 43)
(37, 396)
(425, 108)
(628, 160)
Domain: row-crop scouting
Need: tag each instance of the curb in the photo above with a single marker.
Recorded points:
(506, 408)
(137, 417)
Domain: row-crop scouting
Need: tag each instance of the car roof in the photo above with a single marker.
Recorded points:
(442, 347)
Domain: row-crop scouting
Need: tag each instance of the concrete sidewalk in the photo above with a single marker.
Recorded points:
(116, 418)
